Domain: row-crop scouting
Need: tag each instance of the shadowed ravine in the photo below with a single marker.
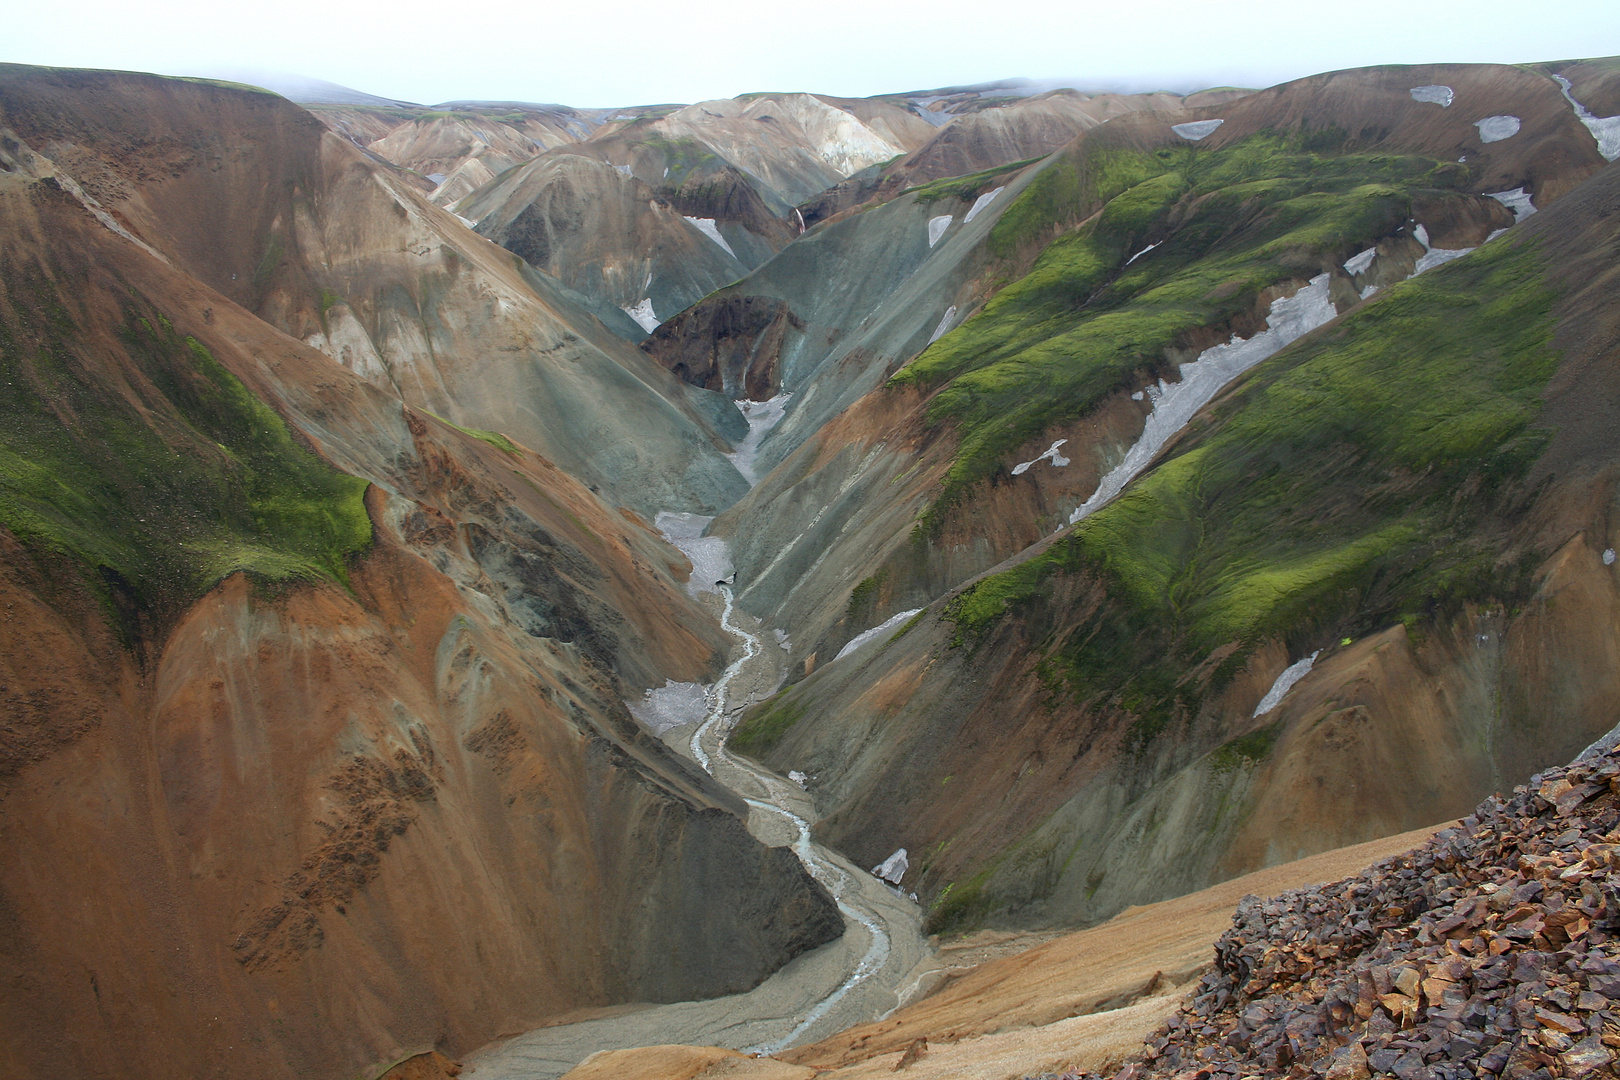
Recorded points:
(877, 965)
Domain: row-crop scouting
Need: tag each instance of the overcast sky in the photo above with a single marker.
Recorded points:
(602, 52)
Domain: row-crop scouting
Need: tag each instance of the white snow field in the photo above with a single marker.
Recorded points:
(980, 203)
(1606, 130)
(707, 226)
(643, 314)
(1285, 682)
(1174, 404)
(1496, 128)
(1436, 94)
(1194, 130)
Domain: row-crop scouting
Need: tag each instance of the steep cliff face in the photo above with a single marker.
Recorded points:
(314, 749)
(1076, 730)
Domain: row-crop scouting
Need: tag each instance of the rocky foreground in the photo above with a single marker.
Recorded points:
(1492, 949)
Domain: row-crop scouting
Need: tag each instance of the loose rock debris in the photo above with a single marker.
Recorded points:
(1493, 950)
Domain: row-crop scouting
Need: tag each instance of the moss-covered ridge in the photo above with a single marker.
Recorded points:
(1368, 474)
(1095, 312)
(146, 461)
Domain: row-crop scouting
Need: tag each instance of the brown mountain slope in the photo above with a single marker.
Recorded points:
(1031, 128)
(296, 824)
(1374, 107)
(252, 196)
(456, 148)
(1015, 738)
(989, 136)
(901, 448)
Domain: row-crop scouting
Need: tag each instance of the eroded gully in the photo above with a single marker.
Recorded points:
(881, 961)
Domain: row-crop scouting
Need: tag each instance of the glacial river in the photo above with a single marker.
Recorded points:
(878, 964)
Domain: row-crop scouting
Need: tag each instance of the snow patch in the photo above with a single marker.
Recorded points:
(1285, 682)
(1051, 452)
(797, 777)
(1358, 263)
(1437, 95)
(944, 324)
(1368, 291)
(782, 640)
(1434, 256)
(761, 417)
(1496, 128)
(980, 203)
(673, 705)
(892, 623)
(1606, 130)
(436, 177)
(712, 231)
(643, 314)
(937, 227)
(1143, 252)
(893, 868)
(1517, 201)
(710, 556)
(623, 170)
(1437, 257)
(1196, 129)
(1174, 404)
(1608, 556)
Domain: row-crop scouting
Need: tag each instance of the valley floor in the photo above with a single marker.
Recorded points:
(1084, 1000)
(881, 961)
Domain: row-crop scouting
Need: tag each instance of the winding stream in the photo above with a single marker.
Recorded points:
(817, 860)
(878, 963)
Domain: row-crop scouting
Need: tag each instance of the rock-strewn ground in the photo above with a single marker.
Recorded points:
(1494, 949)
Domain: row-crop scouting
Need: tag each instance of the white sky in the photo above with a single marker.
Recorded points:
(622, 52)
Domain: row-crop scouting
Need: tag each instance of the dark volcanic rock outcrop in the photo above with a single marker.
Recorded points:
(732, 345)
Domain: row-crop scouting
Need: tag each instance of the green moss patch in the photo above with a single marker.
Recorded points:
(962, 906)
(966, 187)
(1087, 321)
(1363, 476)
(494, 438)
(154, 467)
(765, 725)
(1244, 750)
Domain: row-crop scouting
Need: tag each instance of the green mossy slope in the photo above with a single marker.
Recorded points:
(152, 465)
(1087, 321)
(1364, 476)
(764, 726)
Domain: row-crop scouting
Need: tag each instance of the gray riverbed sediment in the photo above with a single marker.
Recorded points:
(881, 961)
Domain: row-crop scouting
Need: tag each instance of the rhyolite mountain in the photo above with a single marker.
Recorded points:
(331, 439)
(1416, 495)
(314, 746)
